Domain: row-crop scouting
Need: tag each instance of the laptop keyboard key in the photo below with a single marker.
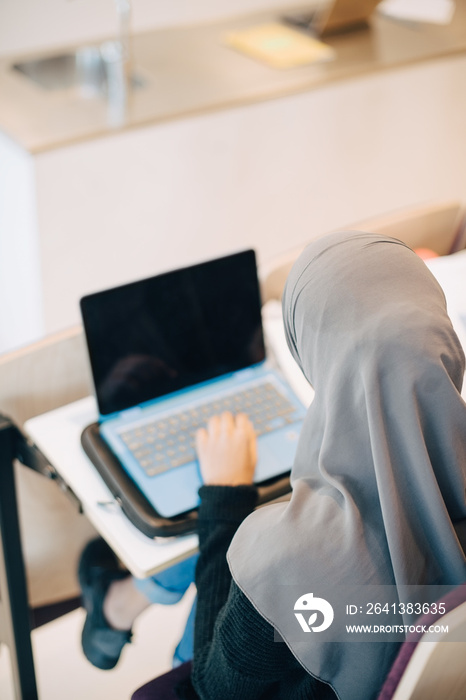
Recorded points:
(170, 442)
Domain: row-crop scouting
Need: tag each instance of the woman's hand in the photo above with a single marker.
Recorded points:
(227, 450)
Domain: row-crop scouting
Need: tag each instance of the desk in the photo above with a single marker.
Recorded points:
(58, 436)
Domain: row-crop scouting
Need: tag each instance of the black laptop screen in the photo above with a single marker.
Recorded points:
(162, 334)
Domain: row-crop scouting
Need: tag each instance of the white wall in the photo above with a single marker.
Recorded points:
(38, 25)
(21, 309)
(270, 176)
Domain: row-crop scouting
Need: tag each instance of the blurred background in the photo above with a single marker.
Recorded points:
(134, 139)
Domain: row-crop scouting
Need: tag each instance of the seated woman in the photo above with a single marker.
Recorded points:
(379, 482)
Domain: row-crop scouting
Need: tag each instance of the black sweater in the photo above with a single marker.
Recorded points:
(235, 655)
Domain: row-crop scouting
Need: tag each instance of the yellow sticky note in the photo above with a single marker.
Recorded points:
(279, 46)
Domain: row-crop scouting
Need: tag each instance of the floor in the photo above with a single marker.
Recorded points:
(63, 671)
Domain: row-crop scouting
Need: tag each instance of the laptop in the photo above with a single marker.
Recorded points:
(333, 17)
(170, 351)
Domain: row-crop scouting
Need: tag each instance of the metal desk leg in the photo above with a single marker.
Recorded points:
(15, 627)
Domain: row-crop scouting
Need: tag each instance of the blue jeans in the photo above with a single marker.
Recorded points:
(168, 588)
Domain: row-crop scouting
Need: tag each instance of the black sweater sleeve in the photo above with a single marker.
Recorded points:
(222, 510)
(235, 653)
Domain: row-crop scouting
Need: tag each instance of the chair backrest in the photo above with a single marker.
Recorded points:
(33, 380)
(434, 226)
(44, 375)
(439, 227)
(431, 666)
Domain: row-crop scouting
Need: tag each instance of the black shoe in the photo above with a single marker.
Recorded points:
(98, 568)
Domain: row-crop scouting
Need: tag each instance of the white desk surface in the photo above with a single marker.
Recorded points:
(58, 435)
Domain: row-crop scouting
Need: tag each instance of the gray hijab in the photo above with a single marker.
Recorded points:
(380, 471)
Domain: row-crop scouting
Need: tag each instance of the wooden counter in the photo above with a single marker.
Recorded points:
(189, 71)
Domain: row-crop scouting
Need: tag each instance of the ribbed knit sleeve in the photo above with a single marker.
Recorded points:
(222, 510)
(235, 654)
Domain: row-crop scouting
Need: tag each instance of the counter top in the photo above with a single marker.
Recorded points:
(189, 70)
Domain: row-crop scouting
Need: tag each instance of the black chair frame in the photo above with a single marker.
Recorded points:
(15, 626)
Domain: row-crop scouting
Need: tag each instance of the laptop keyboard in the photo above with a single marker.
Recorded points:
(170, 442)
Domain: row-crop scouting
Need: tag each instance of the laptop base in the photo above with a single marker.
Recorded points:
(136, 506)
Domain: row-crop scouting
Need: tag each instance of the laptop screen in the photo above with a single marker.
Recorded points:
(159, 335)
